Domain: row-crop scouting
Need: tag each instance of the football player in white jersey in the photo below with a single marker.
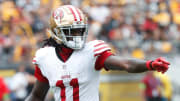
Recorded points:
(71, 67)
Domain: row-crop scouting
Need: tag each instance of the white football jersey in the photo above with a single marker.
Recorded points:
(76, 79)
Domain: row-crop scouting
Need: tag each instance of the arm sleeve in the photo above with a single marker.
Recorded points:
(99, 64)
(39, 75)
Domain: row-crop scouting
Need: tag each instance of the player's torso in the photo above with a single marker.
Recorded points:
(76, 79)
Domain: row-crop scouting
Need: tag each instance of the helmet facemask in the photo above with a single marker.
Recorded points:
(72, 36)
(68, 25)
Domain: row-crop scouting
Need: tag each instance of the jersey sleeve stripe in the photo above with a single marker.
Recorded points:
(102, 50)
(102, 43)
(100, 47)
(99, 40)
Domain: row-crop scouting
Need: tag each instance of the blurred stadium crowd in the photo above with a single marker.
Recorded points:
(137, 28)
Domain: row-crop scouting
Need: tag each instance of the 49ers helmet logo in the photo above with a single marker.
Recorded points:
(58, 15)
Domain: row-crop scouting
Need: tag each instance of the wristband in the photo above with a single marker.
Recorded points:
(149, 65)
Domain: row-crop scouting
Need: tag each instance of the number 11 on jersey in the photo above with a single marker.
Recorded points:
(74, 83)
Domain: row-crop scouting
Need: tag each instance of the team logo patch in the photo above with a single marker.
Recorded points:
(58, 15)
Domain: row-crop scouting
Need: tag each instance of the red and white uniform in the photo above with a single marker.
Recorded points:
(76, 79)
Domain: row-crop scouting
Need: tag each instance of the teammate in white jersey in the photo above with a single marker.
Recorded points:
(71, 66)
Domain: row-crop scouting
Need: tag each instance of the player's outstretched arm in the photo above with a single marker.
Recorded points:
(39, 92)
(133, 65)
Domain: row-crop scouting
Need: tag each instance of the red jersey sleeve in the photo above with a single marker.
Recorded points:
(100, 47)
(101, 59)
(39, 75)
(101, 51)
